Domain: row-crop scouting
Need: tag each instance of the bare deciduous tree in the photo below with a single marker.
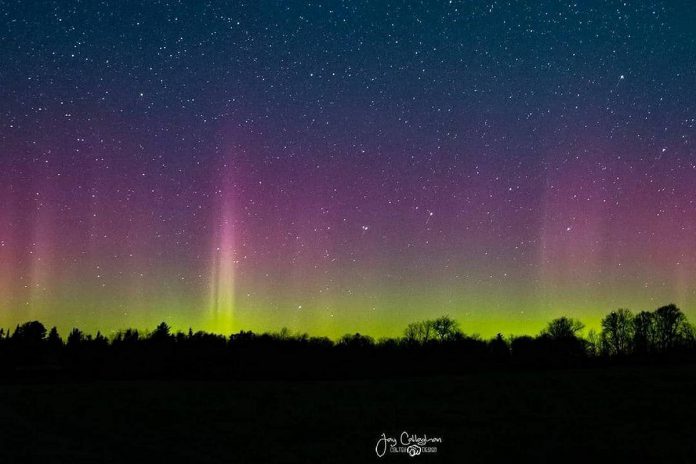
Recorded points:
(563, 327)
(617, 332)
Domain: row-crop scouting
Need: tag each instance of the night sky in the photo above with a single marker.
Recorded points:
(345, 166)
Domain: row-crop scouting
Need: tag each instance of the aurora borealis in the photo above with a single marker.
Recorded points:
(345, 166)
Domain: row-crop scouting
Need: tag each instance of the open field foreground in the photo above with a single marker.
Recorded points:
(591, 415)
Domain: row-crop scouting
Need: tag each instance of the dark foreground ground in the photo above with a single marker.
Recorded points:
(596, 415)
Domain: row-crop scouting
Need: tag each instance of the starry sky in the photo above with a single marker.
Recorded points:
(345, 166)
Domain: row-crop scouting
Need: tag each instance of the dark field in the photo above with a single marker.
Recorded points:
(616, 414)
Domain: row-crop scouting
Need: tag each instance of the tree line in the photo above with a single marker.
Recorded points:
(436, 346)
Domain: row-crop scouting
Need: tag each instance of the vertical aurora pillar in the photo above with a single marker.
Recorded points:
(222, 278)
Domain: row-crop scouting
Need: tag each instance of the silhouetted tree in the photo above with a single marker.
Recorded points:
(31, 332)
(161, 332)
(419, 332)
(563, 327)
(53, 340)
(559, 343)
(670, 324)
(689, 336)
(618, 332)
(283, 334)
(28, 343)
(644, 332)
(131, 336)
(75, 338)
(100, 340)
(445, 328)
(594, 343)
